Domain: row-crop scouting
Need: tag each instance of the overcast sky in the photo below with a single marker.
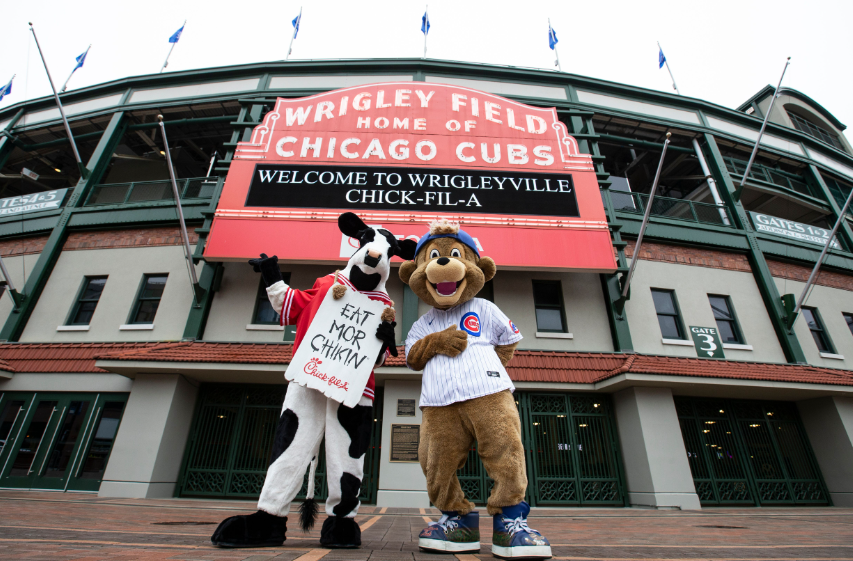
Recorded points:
(721, 51)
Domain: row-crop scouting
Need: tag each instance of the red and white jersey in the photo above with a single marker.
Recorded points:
(298, 307)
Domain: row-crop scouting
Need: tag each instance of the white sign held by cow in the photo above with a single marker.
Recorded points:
(340, 348)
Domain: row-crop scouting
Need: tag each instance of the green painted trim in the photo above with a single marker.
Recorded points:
(846, 232)
(17, 320)
(198, 313)
(410, 311)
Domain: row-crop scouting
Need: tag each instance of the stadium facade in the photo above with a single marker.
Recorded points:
(119, 376)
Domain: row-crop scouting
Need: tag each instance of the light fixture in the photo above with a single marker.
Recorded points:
(755, 425)
(710, 422)
(162, 153)
(595, 404)
(57, 170)
(706, 430)
(221, 416)
(770, 413)
(582, 425)
(721, 411)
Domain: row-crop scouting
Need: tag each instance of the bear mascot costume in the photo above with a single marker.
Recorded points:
(307, 415)
(463, 345)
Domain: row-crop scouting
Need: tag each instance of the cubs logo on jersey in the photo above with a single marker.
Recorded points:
(513, 327)
(470, 324)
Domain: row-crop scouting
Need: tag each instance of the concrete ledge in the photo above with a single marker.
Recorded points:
(679, 342)
(683, 501)
(403, 499)
(263, 327)
(136, 490)
(136, 327)
(549, 335)
(72, 328)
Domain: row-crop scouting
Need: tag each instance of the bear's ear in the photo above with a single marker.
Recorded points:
(350, 224)
(407, 269)
(406, 249)
(487, 265)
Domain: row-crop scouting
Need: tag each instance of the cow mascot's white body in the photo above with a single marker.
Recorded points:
(307, 415)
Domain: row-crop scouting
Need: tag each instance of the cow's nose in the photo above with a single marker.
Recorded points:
(374, 254)
(443, 261)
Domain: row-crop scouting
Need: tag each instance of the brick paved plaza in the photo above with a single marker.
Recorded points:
(53, 526)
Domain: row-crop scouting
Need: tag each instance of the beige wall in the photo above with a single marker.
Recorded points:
(125, 268)
(692, 286)
(16, 267)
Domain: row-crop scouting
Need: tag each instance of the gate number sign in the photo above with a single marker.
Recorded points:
(707, 342)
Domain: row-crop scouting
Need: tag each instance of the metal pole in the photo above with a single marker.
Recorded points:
(426, 28)
(292, 37)
(711, 183)
(180, 209)
(738, 191)
(83, 171)
(648, 212)
(212, 161)
(668, 69)
(165, 64)
(65, 85)
(817, 265)
(559, 68)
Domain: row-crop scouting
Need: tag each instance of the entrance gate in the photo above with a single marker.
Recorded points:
(753, 452)
(57, 441)
(231, 440)
(571, 449)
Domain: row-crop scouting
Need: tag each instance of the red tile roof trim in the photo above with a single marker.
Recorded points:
(526, 366)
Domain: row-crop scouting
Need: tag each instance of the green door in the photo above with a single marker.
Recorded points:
(45, 435)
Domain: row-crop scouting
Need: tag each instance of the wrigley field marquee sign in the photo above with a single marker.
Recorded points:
(402, 154)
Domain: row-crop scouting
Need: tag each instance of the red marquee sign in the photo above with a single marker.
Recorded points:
(400, 155)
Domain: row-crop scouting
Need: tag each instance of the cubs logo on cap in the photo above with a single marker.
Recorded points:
(513, 327)
(470, 324)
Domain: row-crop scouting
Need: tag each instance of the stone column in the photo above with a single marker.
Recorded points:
(829, 426)
(657, 473)
(149, 447)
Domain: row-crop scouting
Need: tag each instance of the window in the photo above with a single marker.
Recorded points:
(87, 300)
(821, 339)
(149, 298)
(849, 319)
(667, 310)
(725, 316)
(264, 314)
(548, 300)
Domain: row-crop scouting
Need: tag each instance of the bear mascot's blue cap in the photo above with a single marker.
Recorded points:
(445, 229)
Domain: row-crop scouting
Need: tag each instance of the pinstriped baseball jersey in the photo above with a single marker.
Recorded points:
(475, 372)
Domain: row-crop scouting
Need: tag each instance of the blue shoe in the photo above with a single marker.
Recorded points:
(514, 539)
(452, 533)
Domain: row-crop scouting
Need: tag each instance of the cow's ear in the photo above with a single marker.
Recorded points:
(350, 224)
(406, 249)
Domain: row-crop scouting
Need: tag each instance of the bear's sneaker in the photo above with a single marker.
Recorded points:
(452, 534)
(514, 539)
(254, 530)
(340, 533)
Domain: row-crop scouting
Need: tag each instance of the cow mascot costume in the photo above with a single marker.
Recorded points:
(307, 415)
(463, 345)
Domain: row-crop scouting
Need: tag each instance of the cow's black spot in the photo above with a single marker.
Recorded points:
(362, 281)
(284, 433)
(350, 488)
(366, 236)
(358, 422)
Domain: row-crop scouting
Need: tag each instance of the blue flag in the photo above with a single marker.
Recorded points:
(425, 23)
(80, 60)
(552, 37)
(175, 36)
(296, 21)
(6, 90)
(661, 58)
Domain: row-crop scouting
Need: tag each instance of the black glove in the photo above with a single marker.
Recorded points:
(385, 332)
(268, 267)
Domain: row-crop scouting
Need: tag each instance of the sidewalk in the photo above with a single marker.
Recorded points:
(55, 526)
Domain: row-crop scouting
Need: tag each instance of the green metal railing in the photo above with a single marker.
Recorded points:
(149, 191)
(768, 175)
(749, 452)
(666, 207)
(817, 132)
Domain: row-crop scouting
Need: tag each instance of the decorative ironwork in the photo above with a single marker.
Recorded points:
(600, 491)
(551, 491)
(545, 403)
(749, 452)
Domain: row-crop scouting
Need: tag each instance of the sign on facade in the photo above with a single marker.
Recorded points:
(46, 200)
(790, 229)
(405, 407)
(707, 342)
(403, 154)
(340, 348)
(404, 443)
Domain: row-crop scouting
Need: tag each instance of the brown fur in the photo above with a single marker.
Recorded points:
(447, 434)
(450, 342)
(388, 314)
(505, 352)
(443, 227)
(338, 291)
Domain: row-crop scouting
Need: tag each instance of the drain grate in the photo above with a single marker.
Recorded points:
(190, 523)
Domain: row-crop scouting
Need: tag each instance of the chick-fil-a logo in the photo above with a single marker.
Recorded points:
(311, 369)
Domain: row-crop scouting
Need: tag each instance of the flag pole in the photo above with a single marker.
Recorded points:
(426, 28)
(668, 69)
(812, 277)
(83, 171)
(295, 30)
(165, 64)
(197, 290)
(559, 68)
(636, 258)
(65, 85)
(739, 190)
(212, 161)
